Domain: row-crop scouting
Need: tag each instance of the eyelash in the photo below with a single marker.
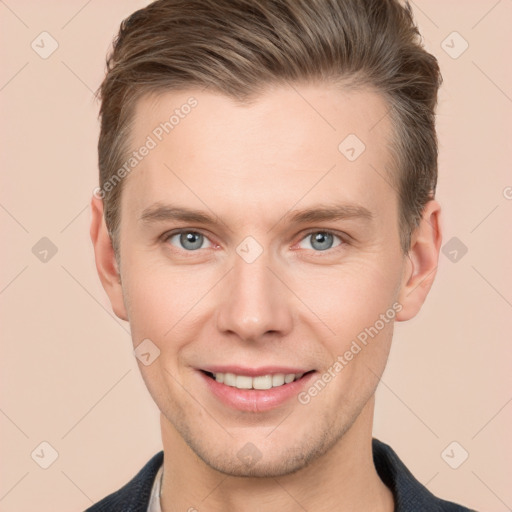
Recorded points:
(342, 237)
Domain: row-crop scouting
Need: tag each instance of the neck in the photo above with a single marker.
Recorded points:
(343, 479)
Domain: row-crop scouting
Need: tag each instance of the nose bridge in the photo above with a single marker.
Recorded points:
(254, 301)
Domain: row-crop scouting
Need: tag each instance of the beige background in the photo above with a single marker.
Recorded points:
(68, 376)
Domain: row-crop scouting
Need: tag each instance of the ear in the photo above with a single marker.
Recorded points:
(421, 262)
(106, 264)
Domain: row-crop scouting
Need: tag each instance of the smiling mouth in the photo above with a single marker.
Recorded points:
(261, 382)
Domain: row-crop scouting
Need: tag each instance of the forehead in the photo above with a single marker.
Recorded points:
(293, 144)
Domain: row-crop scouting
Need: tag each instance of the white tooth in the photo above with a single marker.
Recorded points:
(289, 378)
(230, 379)
(262, 382)
(243, 382)
(278, 379)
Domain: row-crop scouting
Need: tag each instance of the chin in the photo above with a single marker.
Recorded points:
(246, 459)
(231, 465)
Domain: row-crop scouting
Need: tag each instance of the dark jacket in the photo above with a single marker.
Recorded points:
(409, 494)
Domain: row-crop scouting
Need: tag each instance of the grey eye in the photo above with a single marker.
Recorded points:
(188, 240)
(319, 241)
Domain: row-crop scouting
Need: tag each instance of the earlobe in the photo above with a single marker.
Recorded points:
(421, 262)
(106, 264)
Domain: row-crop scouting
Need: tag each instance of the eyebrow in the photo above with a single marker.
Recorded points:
(163, 212)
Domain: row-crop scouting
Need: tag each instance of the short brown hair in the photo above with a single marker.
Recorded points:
(237, 47)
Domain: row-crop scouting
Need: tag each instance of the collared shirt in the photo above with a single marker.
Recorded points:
(141, 494)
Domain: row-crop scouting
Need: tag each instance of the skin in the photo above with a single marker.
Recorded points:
(251, 167)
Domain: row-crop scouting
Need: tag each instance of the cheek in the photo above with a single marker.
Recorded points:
(350, 297)
(162, 300)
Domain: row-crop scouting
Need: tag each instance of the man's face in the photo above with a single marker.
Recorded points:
(259, 290)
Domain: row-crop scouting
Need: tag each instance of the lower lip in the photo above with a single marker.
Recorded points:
(255, 400)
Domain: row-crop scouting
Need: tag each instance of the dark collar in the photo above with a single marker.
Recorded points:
(409, 494)
(134, 496)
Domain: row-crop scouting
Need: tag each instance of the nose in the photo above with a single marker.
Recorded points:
(255, 303)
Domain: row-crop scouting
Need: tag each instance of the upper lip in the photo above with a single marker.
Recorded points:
(254, 372)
